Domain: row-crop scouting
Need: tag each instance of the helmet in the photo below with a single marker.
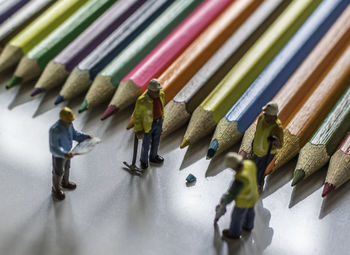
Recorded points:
(271, 108)
(233, 160)
(154, 85)
(67, 115)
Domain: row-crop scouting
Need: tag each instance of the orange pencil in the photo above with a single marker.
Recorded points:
(314, 110)
(304, 81)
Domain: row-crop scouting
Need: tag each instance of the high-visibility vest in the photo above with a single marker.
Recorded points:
(143, 113)
(249, 194)
(263, 131)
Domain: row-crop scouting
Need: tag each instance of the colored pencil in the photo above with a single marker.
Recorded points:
(58, 69)
(82, 76)
(164, 54)
(23, 17)
(318, 150)
(314, 110)
(36, 31)
(234, 84)
(8, 8)
(339, 165)
(178, 111)
(32, 65)
(232, 127)
(107, 81)
(304, 80)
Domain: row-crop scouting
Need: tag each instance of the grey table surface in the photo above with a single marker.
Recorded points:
(112, 212)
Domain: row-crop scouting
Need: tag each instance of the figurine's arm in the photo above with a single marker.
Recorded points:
(227, 198)
(278, 133)
(79, 136)
(138, 127)
(55, 148)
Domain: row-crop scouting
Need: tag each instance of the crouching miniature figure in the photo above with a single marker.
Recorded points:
(244, 191)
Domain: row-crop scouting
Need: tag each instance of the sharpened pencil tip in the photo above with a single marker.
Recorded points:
(327, 188)
(184, 143)
(213, 148)
(59, 99)
(299, 175)
(83, 107)
(15, 80)
(36, 91)
(111, 109)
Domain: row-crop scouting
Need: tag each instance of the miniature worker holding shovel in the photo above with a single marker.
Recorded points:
(244, 191)
(148, 118)
(61, 136)
(267, 139)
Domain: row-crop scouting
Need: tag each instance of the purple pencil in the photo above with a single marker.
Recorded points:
(60, 67)
(10, 7)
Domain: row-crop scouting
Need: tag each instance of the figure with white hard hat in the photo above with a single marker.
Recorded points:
(268, 139)
(148, 121)
(244, 190)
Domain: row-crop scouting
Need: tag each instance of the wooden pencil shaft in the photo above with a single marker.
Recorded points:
(256, 59)
(22, 18)
(9, 8)
(68, 31)
(335, 126)
(303, 81)
(45, 24)
(248, 107)
(96, 33)
(194, 57)
(119, 39)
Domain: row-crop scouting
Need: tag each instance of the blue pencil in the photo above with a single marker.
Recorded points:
(232, 127)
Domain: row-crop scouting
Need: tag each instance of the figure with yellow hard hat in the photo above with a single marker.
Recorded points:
(244, 190)
(148, 118)
(61, 136)
(268, 139)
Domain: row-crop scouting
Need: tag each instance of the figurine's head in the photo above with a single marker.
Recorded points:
(153, 88)
(270, 111)
(66, 115)
(234, 160)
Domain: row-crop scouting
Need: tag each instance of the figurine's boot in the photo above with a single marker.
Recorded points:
(66, 183)
(56, 187)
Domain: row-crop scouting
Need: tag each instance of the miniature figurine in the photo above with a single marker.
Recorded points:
(267, 139)
(148, 118)
(244, 191)
(61, 136)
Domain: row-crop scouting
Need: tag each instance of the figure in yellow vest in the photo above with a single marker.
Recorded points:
(244, 191)
(148, 121)
(268, 139)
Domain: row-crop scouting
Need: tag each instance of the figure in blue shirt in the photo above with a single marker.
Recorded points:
(61, 136)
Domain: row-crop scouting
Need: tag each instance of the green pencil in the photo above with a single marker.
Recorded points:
(32, 65)
(317, 152)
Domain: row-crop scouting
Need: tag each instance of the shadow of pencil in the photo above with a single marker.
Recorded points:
(46, 102)
(217, 164)
(4, 79)
(196, 152)
(172, 141)
(308, 186)
(279, 178)
(23, 95)
(333, 200)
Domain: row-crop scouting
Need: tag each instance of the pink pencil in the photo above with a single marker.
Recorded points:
(164, 54)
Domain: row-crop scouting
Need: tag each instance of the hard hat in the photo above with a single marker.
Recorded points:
(154, 85)
(67, 115)
(233, 160)
(271, 108)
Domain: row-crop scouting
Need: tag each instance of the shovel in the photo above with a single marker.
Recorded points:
(133, 169)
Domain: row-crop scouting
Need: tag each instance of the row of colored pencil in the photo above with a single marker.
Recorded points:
(219, 61)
